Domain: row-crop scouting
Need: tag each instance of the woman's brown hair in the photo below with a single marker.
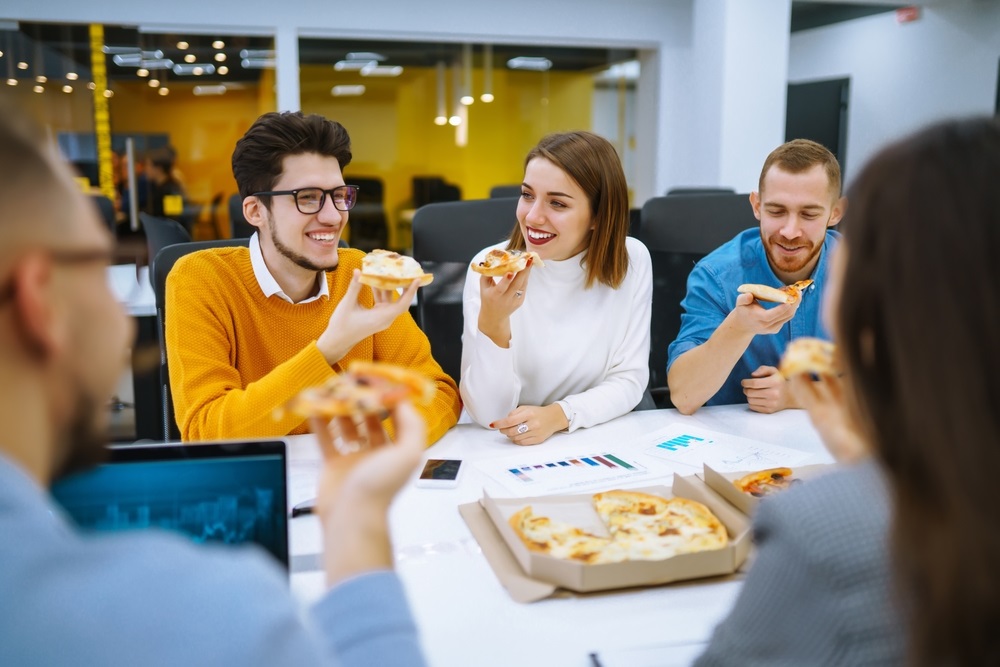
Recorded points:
(919, 326)
(591, 161)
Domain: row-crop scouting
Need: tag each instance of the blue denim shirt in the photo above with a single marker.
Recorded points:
(711, 296)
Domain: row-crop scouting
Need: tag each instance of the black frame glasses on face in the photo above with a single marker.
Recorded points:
(310, 201)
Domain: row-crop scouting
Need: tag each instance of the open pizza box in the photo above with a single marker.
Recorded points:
(538, 570)
(722, 483)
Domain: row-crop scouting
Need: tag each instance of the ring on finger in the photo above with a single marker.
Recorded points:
(518, 294)
(522, 428)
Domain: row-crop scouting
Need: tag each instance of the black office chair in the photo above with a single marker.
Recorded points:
(369, 224)
(446, 237)
(502, 191)
(107, 210)
(700, 191)
(679, 231)
(239, 228)
(162, 263)
(160, 233)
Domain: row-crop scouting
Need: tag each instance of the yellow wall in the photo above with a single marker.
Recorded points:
(394, 137)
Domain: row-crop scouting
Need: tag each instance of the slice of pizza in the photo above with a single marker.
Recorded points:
(384, 269)
(365, 388)
(766, 482)
(499, 262)
(556, 538)
(808, 355)
(787, 294)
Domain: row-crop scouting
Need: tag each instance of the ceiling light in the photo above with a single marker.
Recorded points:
(41, 78)
(223, 70)
(38, 89)
(67, 88)
(218, 89)
(218, 44)
(164, 91)
(267, 54)
(22, 65)
(1, 54)
(467, 97)
(257, 63)
(162, 63)
(190, 58)
(154, 83)
(487, 95)
(381, 70)
(442, 106)
(142, 71)
(182, 45)
(11, 82)
(120, 50)
(92, 86)
(347, 91)
(72, 76)
(455, 121)
(220, 57)
(365, 56)
(530, 63)
(195, 69)
(109, 93)
(353, 65)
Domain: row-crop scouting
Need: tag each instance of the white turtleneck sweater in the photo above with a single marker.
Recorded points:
(586, 349)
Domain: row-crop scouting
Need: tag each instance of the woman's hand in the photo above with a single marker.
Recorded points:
(824, 400)
(498, 301)
(531, 424)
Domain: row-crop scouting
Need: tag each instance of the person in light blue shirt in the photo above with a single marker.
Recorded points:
(729, 344)
(153, 598)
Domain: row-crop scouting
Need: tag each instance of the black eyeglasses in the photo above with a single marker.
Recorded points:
(71, 257)
(311, 200)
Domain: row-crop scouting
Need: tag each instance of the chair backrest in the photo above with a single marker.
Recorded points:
(431, 189)
(239, 228)
(679, 231)
(161, 265)
(107, 210)
(160, 233)
(502, 191)
(445, 239)
(700, 191)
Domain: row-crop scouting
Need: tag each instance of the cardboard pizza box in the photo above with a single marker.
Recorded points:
(581, 577)
(722, 483)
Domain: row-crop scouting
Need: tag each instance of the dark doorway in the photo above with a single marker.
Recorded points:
(818, 111)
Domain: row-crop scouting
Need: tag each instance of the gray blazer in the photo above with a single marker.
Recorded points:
(819, 591)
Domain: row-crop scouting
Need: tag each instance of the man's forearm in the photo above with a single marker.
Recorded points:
(699, 373)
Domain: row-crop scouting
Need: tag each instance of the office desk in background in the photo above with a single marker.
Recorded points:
(464, 614)
(133, 290)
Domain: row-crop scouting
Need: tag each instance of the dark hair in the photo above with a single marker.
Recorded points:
(919, 327)
(799, 155)
(259, 154)
(591, 161)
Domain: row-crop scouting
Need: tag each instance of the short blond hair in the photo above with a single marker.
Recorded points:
(799, 155)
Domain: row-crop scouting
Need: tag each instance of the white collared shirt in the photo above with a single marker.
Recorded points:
(269, 285)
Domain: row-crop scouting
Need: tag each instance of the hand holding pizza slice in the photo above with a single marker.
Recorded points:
(787, 294)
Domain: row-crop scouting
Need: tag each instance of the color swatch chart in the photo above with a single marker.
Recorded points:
(569, 474)
(684, 445)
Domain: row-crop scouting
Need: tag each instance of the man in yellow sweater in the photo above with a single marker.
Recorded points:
(249, 328)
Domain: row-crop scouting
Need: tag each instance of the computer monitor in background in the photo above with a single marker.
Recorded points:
(233, 492)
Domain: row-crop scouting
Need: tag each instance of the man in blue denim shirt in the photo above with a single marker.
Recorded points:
(729, 343)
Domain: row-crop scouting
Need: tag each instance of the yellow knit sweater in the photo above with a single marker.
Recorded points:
(234, 355)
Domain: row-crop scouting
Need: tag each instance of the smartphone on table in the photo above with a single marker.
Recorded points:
(440, 474)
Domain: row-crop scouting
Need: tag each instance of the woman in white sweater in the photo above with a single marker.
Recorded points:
(565, 345)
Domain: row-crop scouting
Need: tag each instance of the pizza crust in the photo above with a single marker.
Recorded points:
(384, 269)
(499, 262)
(765, 482)
(365, 388)
(787, 294)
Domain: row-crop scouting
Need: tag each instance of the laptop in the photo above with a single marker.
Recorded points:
(230, 492)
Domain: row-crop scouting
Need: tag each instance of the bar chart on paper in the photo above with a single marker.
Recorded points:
(694, 447)
(568, 474)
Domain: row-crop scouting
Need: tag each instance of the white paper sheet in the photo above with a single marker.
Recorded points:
(692, 447)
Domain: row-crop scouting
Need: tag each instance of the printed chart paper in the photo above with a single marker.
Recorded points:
(533, 476)
(693, 446)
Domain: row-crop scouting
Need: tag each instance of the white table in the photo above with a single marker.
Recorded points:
(464, 614)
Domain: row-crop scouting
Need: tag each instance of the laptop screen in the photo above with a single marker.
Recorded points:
(230, 492)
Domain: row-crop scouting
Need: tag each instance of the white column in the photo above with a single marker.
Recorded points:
(286, 75)
(723, 94)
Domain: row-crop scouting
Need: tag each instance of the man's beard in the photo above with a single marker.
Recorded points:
(299, 260)
(773, 257)
(82, 443)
